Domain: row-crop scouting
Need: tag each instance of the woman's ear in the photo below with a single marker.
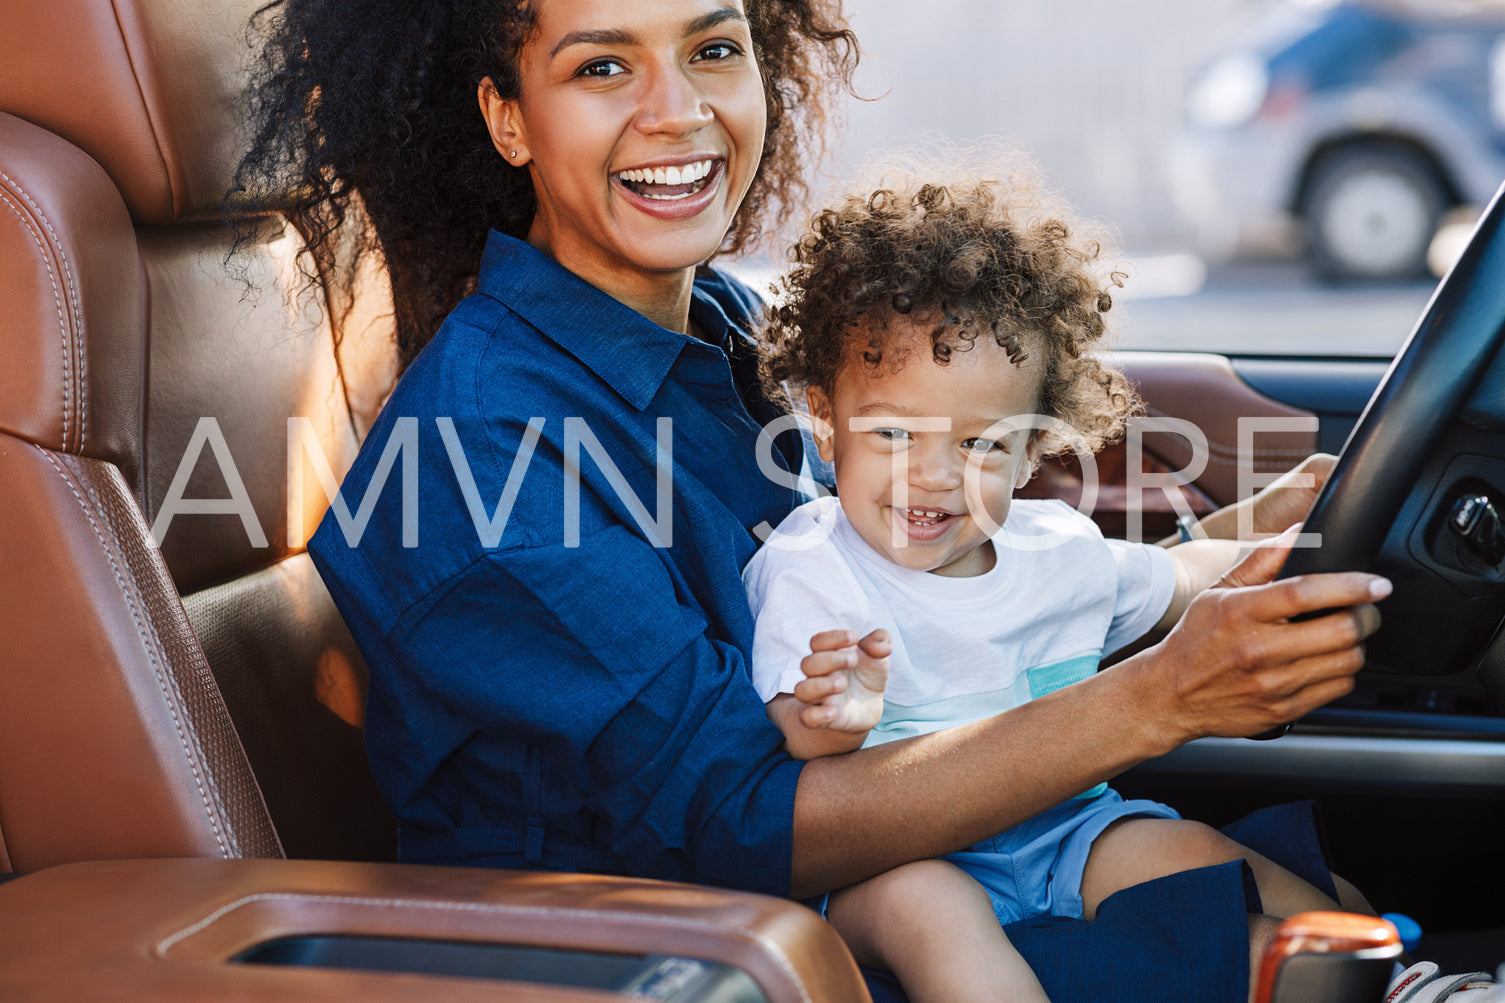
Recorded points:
(823, 430)
(504, 123)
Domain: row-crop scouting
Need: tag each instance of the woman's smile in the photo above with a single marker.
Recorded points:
(674, 191)
(689, 177)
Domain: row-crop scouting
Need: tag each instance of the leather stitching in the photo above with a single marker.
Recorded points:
(78, 315)
(62, 320)
(150, 642)
(496, 908)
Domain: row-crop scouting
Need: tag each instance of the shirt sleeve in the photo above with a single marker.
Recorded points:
(1146, 583)
(795, 594)
(655, 750)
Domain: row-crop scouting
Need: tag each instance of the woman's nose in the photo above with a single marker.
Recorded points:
(672, 104)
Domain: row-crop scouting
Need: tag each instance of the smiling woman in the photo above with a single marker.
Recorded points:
(610, 122)
(371, 109)
(572, 693)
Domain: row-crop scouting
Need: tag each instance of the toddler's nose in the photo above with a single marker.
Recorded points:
(934, 470)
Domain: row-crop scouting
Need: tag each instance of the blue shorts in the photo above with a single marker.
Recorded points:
(1035, 868)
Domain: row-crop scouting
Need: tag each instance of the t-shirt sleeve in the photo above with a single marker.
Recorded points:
(795, 595)
(1146, 582)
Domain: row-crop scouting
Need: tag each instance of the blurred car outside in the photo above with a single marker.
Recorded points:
(1351, 129)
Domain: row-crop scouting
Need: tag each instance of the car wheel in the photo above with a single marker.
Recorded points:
(1371, 212)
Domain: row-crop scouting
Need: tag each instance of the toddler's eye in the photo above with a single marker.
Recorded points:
(893, 434)
(983, 446)
(601, 68)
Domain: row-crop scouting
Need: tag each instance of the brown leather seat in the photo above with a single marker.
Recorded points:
(200, 698)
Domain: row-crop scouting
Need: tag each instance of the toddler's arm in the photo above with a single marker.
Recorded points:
(841, 697)
(1199, 564)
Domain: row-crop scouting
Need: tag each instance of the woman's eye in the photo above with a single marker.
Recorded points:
(717, 51)
(892, 434)
(601, 68)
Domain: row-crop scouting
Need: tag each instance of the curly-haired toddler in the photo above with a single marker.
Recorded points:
(943, 337)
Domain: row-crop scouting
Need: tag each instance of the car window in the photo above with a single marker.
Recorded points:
(1277, 172)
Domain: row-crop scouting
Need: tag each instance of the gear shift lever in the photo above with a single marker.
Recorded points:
(1334, 957)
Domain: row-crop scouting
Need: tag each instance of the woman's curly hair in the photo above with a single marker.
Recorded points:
(370, 107)
(969, 256)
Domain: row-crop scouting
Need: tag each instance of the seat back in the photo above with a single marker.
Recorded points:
(173, 678)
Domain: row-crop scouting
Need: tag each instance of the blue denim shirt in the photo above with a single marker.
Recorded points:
(551, 685)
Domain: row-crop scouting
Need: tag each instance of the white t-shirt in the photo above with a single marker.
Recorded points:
(1058, 598)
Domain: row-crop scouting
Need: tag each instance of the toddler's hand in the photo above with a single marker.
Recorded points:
(1289, 497)
(844, 680)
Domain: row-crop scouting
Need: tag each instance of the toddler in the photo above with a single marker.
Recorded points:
(942, 337)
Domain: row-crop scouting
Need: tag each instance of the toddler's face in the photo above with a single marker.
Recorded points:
(903, 441)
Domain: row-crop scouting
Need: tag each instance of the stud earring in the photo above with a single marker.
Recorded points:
(512, 154)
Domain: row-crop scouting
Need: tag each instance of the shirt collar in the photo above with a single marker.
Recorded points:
(627, 350)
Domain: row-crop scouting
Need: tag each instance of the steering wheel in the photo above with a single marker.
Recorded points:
(1418, 492)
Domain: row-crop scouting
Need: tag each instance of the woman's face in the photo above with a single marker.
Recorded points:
(642, 124)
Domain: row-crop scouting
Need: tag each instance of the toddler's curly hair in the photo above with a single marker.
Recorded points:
(978, 256)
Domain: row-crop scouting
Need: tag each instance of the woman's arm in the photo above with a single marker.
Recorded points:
(1233, 666)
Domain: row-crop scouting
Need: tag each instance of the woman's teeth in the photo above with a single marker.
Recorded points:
(693, 175)
(668, 175)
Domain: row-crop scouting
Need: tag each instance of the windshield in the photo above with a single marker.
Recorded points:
(1283, 178)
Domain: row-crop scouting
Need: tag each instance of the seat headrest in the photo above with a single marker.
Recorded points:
(74, 301)
(148, 88)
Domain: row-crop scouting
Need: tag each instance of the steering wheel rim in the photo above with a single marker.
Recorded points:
(1432, 377)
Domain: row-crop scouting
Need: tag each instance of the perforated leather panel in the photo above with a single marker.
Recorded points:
(113, 738)
(183, 672)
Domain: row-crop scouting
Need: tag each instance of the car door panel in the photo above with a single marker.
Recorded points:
(1196, 407)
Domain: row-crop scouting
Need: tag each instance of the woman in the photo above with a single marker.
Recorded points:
(558, 677)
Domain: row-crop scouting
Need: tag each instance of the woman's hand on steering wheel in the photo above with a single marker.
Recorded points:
(1239, 663)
